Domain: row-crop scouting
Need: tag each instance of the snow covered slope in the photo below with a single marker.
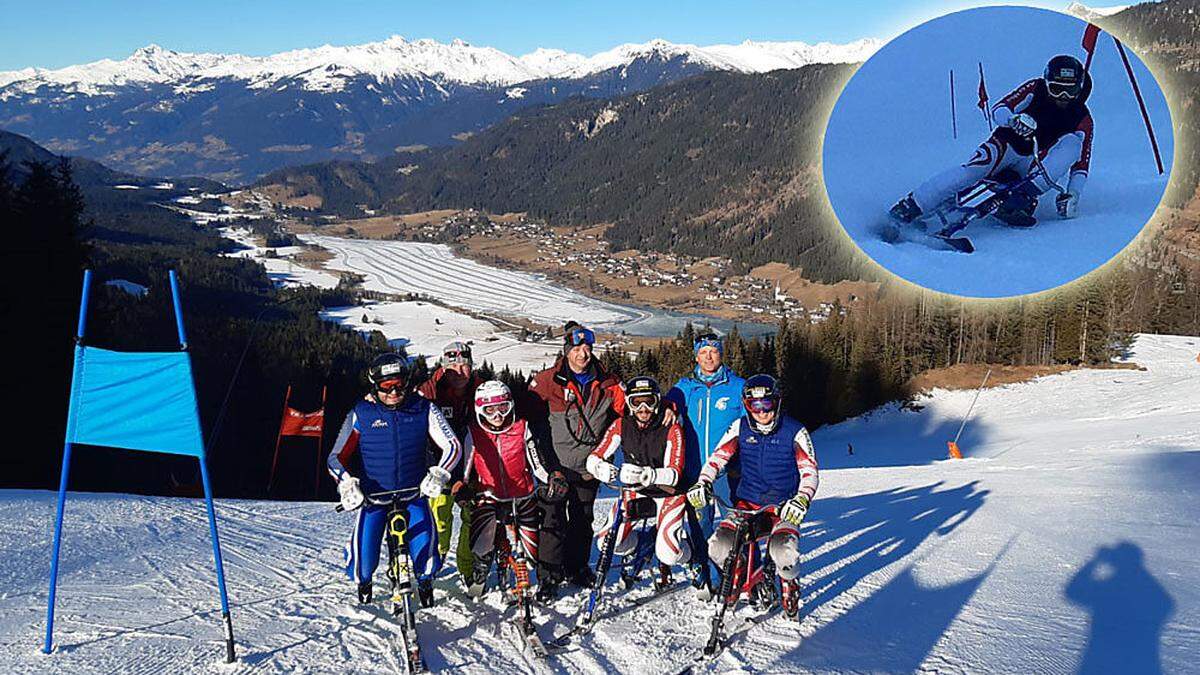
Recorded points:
(423, 329)
(433, 270)
(1067, 538)
(891, 129)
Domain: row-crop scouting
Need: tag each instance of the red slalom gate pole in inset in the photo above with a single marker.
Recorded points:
(1137, 92)
(1090, 34)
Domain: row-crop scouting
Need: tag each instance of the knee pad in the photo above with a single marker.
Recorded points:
(669, 557)
(785, 552)
(719, 545)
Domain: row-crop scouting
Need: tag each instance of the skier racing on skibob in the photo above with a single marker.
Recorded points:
(1043, 132)
(381, 448)
(779, 469)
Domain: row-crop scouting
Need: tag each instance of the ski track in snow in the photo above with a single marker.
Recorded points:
(911, 563)
(433, 270)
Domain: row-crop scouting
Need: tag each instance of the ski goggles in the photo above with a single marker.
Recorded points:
(457, 356)
(708, 340)
(761, 404)
(1063, 89)
(579, 336)
(642, 403)
(390, 386)
(500, 409)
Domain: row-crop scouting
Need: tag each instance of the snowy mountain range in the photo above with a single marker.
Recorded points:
(234, 117)
(328, 68)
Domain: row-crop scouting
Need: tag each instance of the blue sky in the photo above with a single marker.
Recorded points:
(52, 34)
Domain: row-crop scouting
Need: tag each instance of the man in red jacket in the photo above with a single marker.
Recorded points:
(451, 388)
(571, 404)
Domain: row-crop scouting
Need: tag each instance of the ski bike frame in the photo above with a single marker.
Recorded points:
(627, 497)
(400, 567)
(745, 566)
(512, 568)
(985, 197)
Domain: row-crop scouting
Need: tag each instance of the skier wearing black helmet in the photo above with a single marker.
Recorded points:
(381, 448)
(779, 469)
(1047, 114)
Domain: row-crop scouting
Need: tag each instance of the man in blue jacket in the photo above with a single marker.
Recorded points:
(708, 402)
(381, 447)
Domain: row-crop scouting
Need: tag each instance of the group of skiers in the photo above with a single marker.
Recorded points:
(541, 459)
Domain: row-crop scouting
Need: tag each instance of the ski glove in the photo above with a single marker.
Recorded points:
(634, 475)
(603, 471)
(1023, 124)
(699, 494)
(555, 489)
(462, 493)
(1068, 204)
(350, 494)
(435, 481)
(794, 509)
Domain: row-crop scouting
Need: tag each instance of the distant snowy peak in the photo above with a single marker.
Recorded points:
(747, 57)
(327, 68)
(1089, 13)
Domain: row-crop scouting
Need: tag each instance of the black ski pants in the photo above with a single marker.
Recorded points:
(566, 536)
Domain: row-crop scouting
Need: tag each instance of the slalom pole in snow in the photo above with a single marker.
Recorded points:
(953, 445)
(983, 98)
(230, 654)
(953, 109)
(1137, 92)
(66, 468)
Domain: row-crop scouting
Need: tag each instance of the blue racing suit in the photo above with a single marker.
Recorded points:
(385, 449)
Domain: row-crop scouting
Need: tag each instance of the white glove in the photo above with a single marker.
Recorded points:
(350, 494)
(605, 472)
(1068, 204)
(1023, 124)
(435, 481)
(794, 509)
(699, 494)
(632, 474)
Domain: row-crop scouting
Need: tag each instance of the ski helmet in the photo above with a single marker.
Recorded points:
(494, 406)
(641, 392)
(1064, 77)
(761, 394)
(389, 372)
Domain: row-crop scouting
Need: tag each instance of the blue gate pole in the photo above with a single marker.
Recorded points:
(66, 468)
(216, 545)
(178, 309)
(230, 656)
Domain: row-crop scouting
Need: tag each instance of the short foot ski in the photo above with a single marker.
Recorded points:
(960, 244)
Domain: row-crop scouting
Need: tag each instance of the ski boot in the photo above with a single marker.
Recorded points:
(548, 583)
(1017, 209)
(583, 577)
(477, 583)
(764, 595)
(628, 579)
(905, 210)
(790, 599)
(425, 592)
(365, 594)
(702, 581)
(663, 580)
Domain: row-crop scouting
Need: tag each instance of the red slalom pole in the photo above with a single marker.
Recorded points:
(1137, 92)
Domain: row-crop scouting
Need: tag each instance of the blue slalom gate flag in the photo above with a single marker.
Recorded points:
(134, 400)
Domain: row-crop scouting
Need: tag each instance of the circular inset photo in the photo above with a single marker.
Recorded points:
(998, 151)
